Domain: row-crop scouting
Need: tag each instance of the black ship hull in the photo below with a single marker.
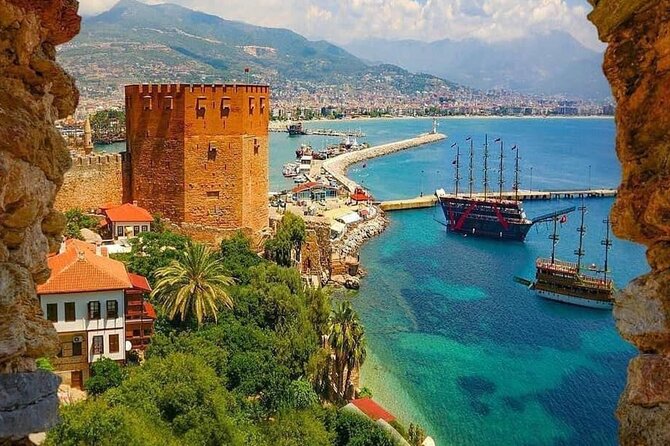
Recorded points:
(498, 219)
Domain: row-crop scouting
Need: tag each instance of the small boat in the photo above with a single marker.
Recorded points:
(300, 179)
(290, 170)
(304, 149)
(296, 129)
(565, 282)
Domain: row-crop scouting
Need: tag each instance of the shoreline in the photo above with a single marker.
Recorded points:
(455, 117)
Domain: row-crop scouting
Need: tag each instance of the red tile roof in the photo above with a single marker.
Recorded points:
(139, 282)
(304, 186)
(78, 269)
(128, 212)
(149, 310)
(373, 410)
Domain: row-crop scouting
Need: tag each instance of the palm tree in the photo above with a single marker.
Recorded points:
(347, 340)
(195, 284)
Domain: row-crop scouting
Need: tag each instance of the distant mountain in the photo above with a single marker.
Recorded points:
(136, 42)
(552, 63)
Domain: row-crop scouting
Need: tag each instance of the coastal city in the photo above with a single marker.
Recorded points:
(214, 232)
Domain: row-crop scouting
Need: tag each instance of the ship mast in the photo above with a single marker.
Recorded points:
(554, 240)
(501, 178)
(516, 173)
(607, 243)
(471, 177)
(486, 164)
(582, 230)
(457, 163)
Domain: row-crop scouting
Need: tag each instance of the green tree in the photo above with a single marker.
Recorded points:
(285, 246)
(416, 435)
(298, 428)
(76, 220)
(352, 429)
(347, 339)
(152, 251)
(195, 285)
(44, 364)
(238, 257)
(106, 373)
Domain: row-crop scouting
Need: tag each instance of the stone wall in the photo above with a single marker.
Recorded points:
(91, 182)
(637, 64)
(198, 154)
(34, 92)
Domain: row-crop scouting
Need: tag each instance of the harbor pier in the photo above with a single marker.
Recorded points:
(338, 166)
(427, 201)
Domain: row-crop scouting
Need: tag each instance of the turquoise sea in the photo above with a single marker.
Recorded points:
(454, 343)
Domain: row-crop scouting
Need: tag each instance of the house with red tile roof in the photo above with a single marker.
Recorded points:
(88, 298)
(127, 220)
(313, 191)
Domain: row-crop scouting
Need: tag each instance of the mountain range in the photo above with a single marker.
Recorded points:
(547, 64)
(135, 42)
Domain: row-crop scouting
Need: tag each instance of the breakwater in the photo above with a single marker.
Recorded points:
(338, 166)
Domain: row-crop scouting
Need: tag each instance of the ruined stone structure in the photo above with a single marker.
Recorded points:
(34, 92)
(198, 154)
(92, 182)
(637, 64)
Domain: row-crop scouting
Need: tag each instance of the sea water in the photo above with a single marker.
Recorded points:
(454, 343)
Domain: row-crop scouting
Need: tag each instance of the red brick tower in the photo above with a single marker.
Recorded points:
(198, 154)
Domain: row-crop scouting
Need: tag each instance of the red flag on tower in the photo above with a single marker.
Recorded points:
(563, 219)
(247, 69)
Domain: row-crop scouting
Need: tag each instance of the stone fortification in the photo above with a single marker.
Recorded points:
(34, 92)
(198, 154)
(91, 182)
(338, 166)
(637, 64)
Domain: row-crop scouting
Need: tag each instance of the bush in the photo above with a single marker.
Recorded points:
(106, 374)
(44, 364)
(352, 429)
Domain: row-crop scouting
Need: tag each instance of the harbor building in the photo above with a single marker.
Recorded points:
(198, 154)
(97, 307)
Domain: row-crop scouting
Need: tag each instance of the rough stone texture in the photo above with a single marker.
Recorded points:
(198, 154)
(93, 181)
(34, 91)
(637, 64)
(27, 400)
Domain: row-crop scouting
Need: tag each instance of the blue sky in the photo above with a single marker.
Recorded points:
(341, 21)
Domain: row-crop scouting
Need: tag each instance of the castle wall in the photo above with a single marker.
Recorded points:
(92, 181)
(199, 154)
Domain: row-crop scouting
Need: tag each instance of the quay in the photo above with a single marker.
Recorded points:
(323, 132)
(525, 195)
(338, 166)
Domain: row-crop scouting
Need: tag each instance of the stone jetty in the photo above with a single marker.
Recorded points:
(338, 166)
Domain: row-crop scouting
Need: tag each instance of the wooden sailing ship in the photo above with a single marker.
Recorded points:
(568, 282)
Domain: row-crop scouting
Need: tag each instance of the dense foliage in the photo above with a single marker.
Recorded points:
(284, 248)
(76, 220)
(246, 378)
(105, 374)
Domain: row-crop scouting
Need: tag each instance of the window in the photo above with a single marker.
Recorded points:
(69, 312)
(94, 310)
(211, 152)
(119, 231)
(200, 107)
(262, 105)
(76, 348)
(112, 309)
(98, 345)
(113, 343)
(225, 107)
(136, 333)
(251, 105)
(213, 194)
(146, 102)
(136, 230)
(145, 228)
(169, 103)
(52, 312)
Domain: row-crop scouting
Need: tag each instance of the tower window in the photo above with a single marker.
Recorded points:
(211, 152)
(147, 103)
(169, 103)
(213, 194)
(225, 106)
(262, 106)
(251, 105)
(200, 106)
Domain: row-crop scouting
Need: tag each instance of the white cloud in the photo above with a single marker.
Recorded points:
(344, 20)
